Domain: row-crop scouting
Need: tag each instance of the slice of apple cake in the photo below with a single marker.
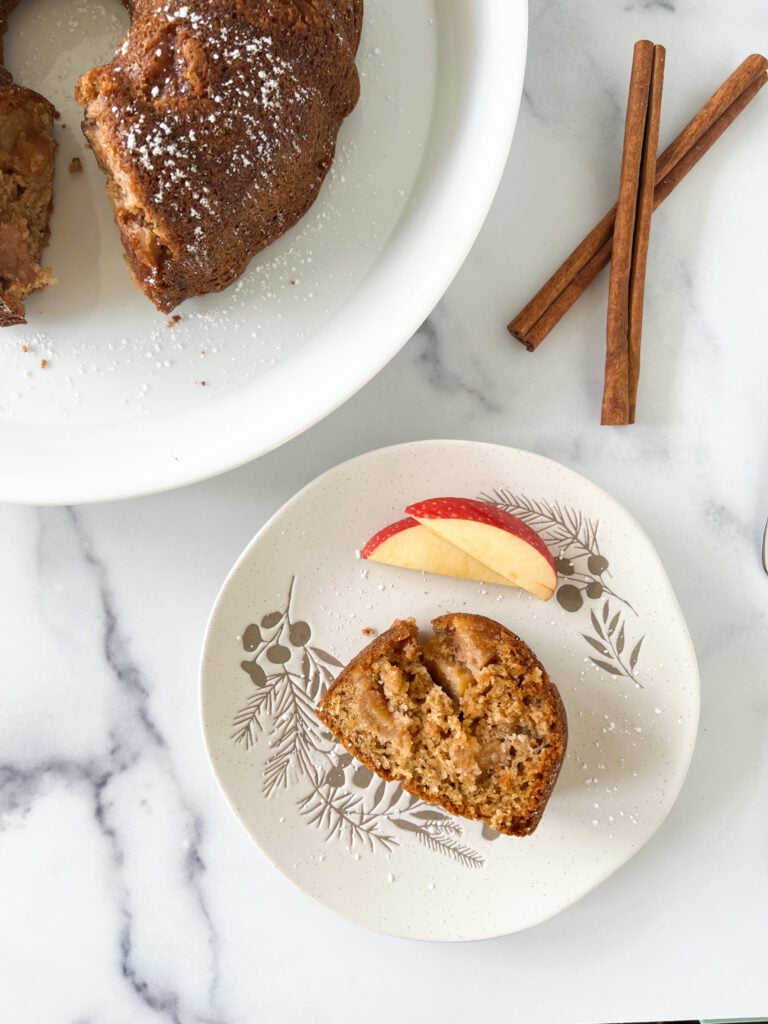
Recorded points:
(27, 148)
(469, 720)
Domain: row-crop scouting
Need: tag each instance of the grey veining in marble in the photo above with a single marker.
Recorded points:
(128, 892)
(107, 753)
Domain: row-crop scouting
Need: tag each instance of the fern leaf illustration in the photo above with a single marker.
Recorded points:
(557, 524)
(452, 848)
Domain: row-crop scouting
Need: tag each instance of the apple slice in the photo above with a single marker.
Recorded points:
(493, 537)
(410, 545)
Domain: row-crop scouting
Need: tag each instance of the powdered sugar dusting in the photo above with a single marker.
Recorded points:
(215, 87)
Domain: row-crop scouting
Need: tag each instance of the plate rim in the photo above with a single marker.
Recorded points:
(593, 884)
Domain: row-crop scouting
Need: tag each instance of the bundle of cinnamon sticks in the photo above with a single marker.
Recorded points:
(622, 236)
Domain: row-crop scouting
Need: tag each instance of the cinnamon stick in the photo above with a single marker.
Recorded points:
(645, 206)
(534, 322)
(632, 228)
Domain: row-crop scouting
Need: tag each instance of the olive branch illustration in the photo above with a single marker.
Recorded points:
(339, 796)
(583, 572)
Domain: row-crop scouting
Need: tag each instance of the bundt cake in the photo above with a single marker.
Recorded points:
(469, 721)
(215, 124)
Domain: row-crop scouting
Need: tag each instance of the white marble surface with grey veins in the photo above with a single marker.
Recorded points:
(128, 892)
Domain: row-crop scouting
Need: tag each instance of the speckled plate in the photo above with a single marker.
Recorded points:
(300, 602)
(129, 402)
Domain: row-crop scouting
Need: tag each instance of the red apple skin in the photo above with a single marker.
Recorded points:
(480, 512)
(389, 531)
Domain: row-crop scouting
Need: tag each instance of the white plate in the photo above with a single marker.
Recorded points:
(120, 408)
(298, 601)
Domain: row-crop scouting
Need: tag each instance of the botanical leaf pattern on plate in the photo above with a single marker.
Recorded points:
(335, 793)
(583, 573)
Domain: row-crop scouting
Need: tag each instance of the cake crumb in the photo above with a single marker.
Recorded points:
(25, 347)
(174, 320)
(368, 631)
(43, 363)
(203, 383)
(75, 165)
(419, 712)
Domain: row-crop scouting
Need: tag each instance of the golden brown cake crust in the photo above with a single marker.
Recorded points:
(216, 124)
(469, 720)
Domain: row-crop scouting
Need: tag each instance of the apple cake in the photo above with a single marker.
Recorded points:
(27, 148)
(215, 124)
(468, 720)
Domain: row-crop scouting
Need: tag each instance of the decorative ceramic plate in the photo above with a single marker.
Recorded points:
(129, 402)
(300, 602)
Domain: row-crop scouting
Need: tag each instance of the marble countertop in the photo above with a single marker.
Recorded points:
(129, 893)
